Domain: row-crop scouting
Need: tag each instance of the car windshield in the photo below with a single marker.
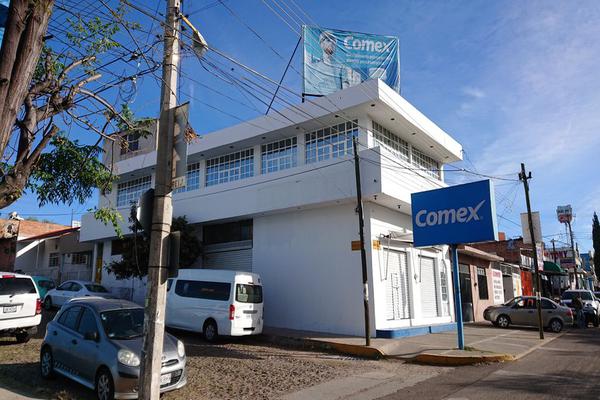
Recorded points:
(96, 288)
(511, 302)
(123, 324)
(10, 285)
(572, 295)
(248, 293)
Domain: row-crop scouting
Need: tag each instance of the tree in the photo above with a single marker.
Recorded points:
(596, 243)
(134, 259)
(44, 83)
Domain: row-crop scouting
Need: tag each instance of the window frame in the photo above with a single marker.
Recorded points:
(77, 317)
(181, 291)
(279, 155)
(229, 167)
(482, 286)
(131, 190)
(334, 141)
(54, 259)
(390, 141)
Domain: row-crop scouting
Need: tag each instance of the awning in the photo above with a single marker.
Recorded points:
(550, 267)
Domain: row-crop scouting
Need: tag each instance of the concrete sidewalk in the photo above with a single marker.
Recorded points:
(483, 342)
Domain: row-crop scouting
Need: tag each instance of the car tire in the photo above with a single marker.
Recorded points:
(210, 331)
(48, 303)
(503, 321)
(46, 363)
(22, 337)
(555, 325)
(104, 386)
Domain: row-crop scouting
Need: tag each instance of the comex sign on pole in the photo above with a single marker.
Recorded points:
(452, 216)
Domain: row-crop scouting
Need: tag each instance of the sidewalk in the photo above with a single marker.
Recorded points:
(6, 394)
(483, 342)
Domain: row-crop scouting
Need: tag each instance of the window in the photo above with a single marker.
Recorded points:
(332, 142)
(203, 290)
(79, 258)
(426, 163)
(118, 246)
(53, 260)
(390, 141)
(130, 143)
(87, 323)
(192, 178)
(230, 167)
(548, 305)
(248, 293)
(169, 284)
(279, 155)
(95, 288)
(229, 232)
(69, 317)
(65, 286)
(75, 287)
(12, 286)
(482, 283)
(130, 191)
(123, 324)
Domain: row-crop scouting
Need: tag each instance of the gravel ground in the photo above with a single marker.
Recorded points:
(233, 368)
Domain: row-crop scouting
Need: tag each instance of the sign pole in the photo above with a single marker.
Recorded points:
(457, 300)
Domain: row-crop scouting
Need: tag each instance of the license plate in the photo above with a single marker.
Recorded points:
(10, 309)
(165, 379)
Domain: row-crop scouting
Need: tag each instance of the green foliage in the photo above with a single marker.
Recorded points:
(69, 172)
(596, 243)
(134, 261)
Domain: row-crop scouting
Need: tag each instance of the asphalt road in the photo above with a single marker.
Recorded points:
(565, 368)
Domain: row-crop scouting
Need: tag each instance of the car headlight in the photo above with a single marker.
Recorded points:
(180, 349)
(129, 358)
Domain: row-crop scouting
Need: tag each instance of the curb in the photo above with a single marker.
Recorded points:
(340, 348)
(448, 360)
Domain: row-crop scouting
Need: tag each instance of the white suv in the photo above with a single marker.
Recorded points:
(20, 306)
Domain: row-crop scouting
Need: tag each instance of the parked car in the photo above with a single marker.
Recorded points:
(591, 305)
(43, 284)
(20, 306)
(215, 302)
(522, 311)
(72, 289)
(98, 342)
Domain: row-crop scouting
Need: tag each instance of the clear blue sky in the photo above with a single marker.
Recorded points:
(511, 81)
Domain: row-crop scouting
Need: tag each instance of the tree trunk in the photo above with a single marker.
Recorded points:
(12, 186)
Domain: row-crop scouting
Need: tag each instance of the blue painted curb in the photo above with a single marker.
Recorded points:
(414, 331)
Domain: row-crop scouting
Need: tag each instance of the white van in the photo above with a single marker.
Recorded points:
(20, 306)
(215, 302)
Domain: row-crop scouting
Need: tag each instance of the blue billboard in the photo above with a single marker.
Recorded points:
(454, 215)
(335, 60)
(3, 17)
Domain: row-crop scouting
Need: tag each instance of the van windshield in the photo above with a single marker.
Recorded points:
(248, 293)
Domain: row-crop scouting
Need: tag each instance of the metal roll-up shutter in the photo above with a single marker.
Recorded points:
(429, 303)
(237, 260)
(397, 298)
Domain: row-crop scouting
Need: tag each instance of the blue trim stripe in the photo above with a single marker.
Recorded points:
(414, 331)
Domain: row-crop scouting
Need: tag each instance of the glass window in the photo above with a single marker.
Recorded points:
(391, 142)
(332, 142)
(169, 284)
(130, 191)
(53, 259)
(228, 232)
(547, 304)
(248, 293)
(123, 324)
(482, 283)
(65, 286)
(87, 323)
(12, 285)
(79, 258)
(279, 155)
(130, 143)
(96, 288)
(230, 167)
(69, 317)
(572, 295)
(192, 178)
(75, 287)
(203, 290)
(425, 163)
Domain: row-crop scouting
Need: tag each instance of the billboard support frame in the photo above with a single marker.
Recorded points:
(457, 297)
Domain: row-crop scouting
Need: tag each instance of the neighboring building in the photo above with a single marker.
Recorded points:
(511, 280)
(481, 283)
(589, 274)
(277, 196)
(563, 256)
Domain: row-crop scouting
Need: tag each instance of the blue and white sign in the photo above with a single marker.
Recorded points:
(454, 215)
(335, 60)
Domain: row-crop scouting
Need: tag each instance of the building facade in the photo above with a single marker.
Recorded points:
(277, 196)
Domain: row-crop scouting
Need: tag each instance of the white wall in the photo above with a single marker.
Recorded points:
(121, 287)
(312, 278)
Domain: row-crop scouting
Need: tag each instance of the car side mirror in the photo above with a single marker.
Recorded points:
(91, 336)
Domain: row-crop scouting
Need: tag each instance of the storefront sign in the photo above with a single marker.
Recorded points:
(454, 215)
(537, 227)
(564, 214)
(540, 256)
(498, 286)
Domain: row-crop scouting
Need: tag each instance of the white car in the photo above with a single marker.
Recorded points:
(20, 306)
(57, 297)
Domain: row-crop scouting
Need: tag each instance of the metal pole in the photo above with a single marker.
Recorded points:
(363, 253)
(457, 299)
(154, 316)
(574, 254)
(524, 177)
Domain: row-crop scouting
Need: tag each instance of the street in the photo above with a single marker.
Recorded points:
(566, 368)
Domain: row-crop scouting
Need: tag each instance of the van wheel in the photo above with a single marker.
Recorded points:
(22, 337)
(210, 331)
(556, 326)
(46, 363)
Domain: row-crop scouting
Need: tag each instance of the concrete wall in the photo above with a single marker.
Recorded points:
(479, 305)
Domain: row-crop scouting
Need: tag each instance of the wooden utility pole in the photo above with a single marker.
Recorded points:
(574, 254)
(154, 316)
(525, 177)
(363, 253)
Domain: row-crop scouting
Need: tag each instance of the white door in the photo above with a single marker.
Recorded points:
(429, 303)
(397, 297)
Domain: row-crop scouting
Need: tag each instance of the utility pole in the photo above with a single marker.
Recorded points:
(574, 254)
(525, 178)
(154, 314)
(553, 250)
(363, 253)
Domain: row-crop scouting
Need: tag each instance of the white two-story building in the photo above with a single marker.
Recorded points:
(277, 196)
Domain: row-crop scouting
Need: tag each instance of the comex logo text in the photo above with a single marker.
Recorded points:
(449, 216)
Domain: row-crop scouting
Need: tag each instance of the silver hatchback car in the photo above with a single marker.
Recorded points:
(523, 311)
(97, 342)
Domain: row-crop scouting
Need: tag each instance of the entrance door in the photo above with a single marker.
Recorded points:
(466, 295)
(397, 299)
(429, 292)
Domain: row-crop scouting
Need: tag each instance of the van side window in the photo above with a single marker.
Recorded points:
(169, 284)
(203, 290)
